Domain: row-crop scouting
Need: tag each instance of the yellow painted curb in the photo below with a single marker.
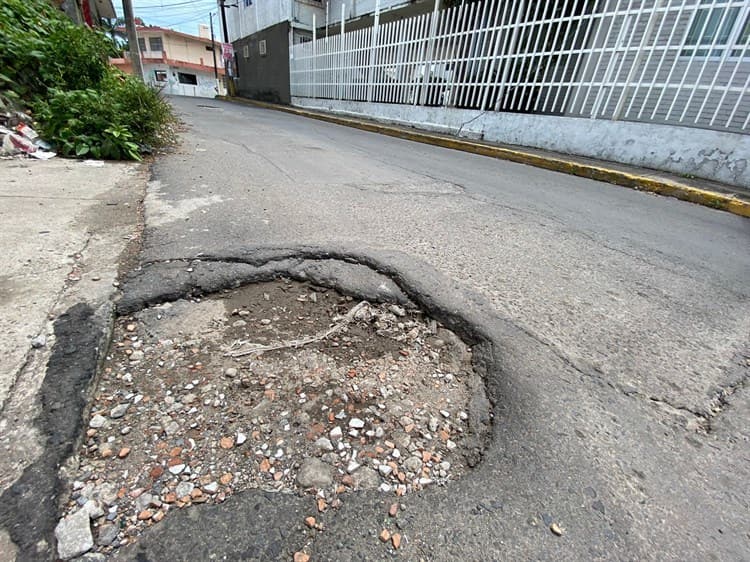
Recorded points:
(660, 186)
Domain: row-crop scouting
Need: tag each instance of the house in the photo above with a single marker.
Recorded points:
(262, 31)
(179, 63)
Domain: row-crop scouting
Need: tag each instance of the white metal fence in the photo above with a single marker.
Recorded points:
(666, 61)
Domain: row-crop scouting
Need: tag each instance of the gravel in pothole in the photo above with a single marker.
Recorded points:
(176, 420)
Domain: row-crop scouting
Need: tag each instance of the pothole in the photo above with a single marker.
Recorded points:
(190, 410)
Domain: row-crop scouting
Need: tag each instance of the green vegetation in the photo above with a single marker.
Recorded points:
(59, 71)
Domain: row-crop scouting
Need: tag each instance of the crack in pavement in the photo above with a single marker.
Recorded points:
(704, 419)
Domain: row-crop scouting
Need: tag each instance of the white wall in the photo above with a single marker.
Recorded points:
(714, 155)
(358, 8)
(247, 20)
(206, 87)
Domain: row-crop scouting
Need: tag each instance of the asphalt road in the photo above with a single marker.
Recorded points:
(621, 403)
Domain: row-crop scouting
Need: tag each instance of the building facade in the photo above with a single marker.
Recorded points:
(178, 63)
(263, 31)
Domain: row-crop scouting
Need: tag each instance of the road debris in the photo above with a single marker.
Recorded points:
(379, 403)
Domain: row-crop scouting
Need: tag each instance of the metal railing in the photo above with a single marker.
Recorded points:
(682, 62)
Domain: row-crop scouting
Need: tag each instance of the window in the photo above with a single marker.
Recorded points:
(246, 51)
(209, 48)
(716, 29)
(156, 44)
(248, 3)
(160, 75)
(262, 48)
(141, 44)
(184, 78)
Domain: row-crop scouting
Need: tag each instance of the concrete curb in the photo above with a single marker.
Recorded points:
(622, 178)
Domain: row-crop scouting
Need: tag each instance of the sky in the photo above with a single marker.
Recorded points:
(182, 15)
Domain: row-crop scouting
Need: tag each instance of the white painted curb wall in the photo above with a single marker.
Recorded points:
(712, 155)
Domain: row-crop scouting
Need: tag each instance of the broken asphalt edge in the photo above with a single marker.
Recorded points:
(506, 358)
(29, 508)
(659, 186)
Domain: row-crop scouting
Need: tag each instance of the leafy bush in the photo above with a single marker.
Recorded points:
(83, 105)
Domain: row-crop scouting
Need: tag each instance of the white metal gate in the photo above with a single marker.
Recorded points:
(681, 62)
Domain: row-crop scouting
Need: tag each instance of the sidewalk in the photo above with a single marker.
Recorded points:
(67, 227)
(732, 199)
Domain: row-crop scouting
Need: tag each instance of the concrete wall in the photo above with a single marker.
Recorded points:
(358, 8)
(266, 77)
(206, 87)
(713, 155)
(248, 19)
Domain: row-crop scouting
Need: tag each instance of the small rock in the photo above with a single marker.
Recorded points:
(137, 355)
(396, 540)
(97, 421)
(384, 469)
(314, 473)
(177, 468)
(143, 501)
(130, 327)
(184, 489)
(323, 444)
(397, 310)
(145, 515)
(107, 534)
(385, 535)
(352, 466)
(230, 372)
(124, 452)
(226, 443)
(356, 423)
(413, 464)
(265, 321)
(226, 478)
(94, 509)
(366, 479)
(301, 557)
(241, 438)
(119, 411)
(38, 341)
(393, 510)
(310, 521)
(336, 433)
(73, 535)
(556, 529)
(211, 487)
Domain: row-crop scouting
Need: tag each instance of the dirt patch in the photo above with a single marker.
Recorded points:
(178, 420)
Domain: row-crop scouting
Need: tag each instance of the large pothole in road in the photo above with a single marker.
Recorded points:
(281, 386)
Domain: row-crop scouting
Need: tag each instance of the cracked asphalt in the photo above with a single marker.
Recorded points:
(620, 320)
(612, 328)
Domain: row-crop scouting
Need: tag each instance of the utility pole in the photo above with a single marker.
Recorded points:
(224, 21)
(227, 62)
(135, 51)
(213, 51)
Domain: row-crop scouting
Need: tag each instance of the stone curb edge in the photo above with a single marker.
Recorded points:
(638, 182)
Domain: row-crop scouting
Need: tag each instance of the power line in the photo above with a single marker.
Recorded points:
(186, 4)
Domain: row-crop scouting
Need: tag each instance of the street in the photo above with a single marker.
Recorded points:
(621, 411)
(600, 399)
